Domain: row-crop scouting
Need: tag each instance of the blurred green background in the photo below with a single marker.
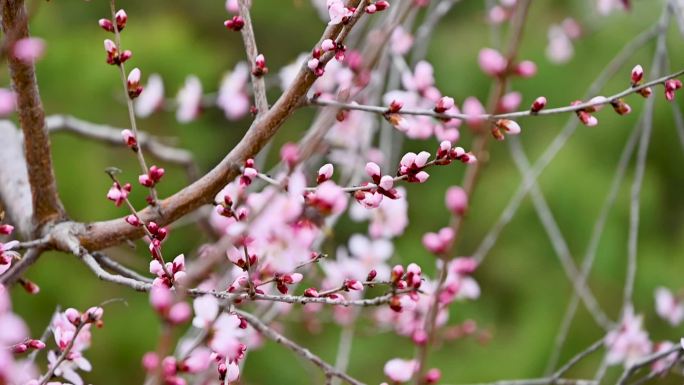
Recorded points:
(524, 290)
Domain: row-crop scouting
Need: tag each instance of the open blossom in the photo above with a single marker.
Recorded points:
(669, 307)
(399, 370)
(175, 268)
(401, 41)
(152, 99)
(388, 220)
(189, 100)
(233, 98)
(628, 342)
(337, 11)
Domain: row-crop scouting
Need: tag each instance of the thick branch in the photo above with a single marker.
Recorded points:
(46, 203)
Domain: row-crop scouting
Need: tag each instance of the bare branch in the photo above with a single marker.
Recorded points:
(112, 135)
(46, 203)
(273, 335)
(258, 83)
(510, 115)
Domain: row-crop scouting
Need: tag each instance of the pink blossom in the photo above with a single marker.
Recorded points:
(337, 11)
(232, 6)
(559, 49)
(399, 370)
(118, 194)
(329, 198)
(400, 41)
(473, 108)
(456, 200)
(628, 342)
(492, 62)
(388, 220)
(669, 307)
(189, 100)
(206, 310)
(421, 79)
(233, 96)
(510, 102)
(440, 242)
(661, 365)
(526, 69)
(152, 99)
(29, 49)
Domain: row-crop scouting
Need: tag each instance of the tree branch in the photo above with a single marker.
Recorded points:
(271, 334)
(258, 83)
(46, 203)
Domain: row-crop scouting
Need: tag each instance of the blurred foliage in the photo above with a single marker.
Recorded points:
(524, 289)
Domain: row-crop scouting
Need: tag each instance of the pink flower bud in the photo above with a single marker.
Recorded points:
(510, 102)
(311, 293)
(353, 284)
(180, 313)
(133, 220)
(125, 55)
(36, 344)
(73, 315)
(328, 45)
(109, 46)
(156, 173)
(129, 138)
(6, 229)
(289, 154)
(456, 200)
(19, 348)
(313, 64)
(422, 176)
(510, 126)
(473, 109)
(93, 314)
(371, 275)
(235, 24)
(150, 361)
(526, 69)
(620, 107)
(443, 104)
(386, 182)
(637, 75)
(325, 173)
(538, 104)
(381, 5)
(419, 337)
(373, 170)
(432, 376)
(145, 180)
(121, 18)
(106, 24)
(397, 273)
(492, 62)
(260, 68)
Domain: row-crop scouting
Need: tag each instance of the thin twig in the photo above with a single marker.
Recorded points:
(65, 353)
(258, 83)
(271, 334)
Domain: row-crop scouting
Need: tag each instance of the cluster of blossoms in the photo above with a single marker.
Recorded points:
(71, 331)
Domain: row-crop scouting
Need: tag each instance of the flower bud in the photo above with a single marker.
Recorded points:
(637, 75)
(121, 18)
(106, 24)
(325, 173)
(538, 104)
(509, 126)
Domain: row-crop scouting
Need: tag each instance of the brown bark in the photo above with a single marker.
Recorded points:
(46, 204)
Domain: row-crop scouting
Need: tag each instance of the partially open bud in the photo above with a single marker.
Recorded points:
(121, 18)
(509, 126)
(235, 24)
(637, 75)
(325, 173)
(260, 68)
(106, 24)
(129, 139)
(133, 83)
(538, 104)
(443, 104)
